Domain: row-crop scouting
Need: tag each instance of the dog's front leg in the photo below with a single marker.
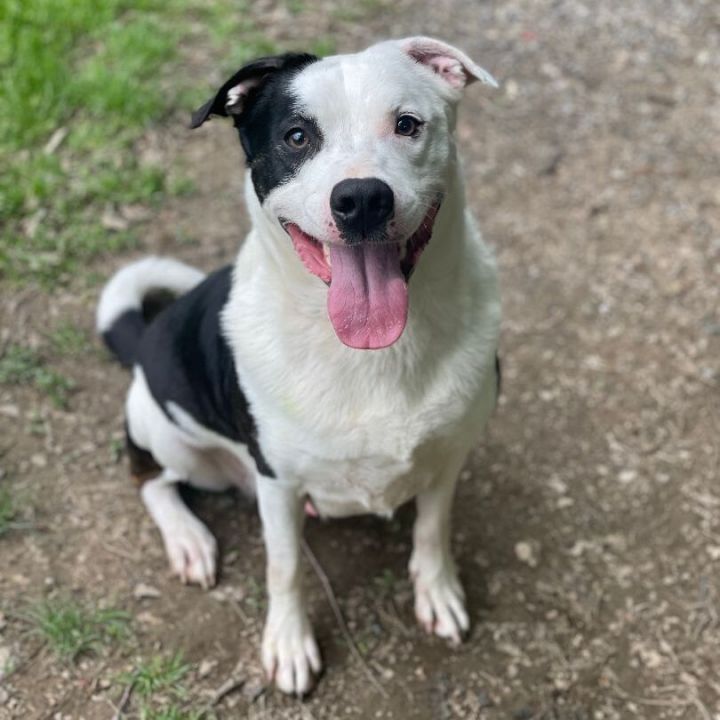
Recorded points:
(289, 651)
(439, 597)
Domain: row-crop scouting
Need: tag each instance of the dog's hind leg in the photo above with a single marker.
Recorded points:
(160, 458)
(190, 546)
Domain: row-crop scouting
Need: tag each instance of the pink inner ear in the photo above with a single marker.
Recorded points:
(236, 95)
(449, 69)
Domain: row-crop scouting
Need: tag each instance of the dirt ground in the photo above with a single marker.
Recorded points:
(588, 519)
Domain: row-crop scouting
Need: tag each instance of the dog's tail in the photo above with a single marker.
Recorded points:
(122, 311)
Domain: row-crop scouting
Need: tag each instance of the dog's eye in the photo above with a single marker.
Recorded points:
(407, 125)
(296, 138)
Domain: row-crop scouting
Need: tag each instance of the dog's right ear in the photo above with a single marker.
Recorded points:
(231, 98)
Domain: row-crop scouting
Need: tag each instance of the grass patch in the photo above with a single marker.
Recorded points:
(255, 595)
(69, 340)
(21, 365)
(159, 686)
(159, 675)
(71, 629)
(173, 712)
(7, 511)
(80, 84)
(322, 46)
(386, 583)
(15, 511)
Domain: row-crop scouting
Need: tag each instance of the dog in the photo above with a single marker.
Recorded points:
(347, 362)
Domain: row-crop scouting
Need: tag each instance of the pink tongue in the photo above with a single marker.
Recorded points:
(368, 300)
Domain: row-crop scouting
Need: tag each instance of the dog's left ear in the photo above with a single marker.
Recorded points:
(231, 98)
(446, 61)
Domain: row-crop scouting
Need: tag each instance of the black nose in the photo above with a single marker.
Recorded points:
(361, 207)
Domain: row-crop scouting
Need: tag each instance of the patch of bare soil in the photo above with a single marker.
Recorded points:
(588, 520)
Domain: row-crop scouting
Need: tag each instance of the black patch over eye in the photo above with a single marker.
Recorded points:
(408, 126)
(297, 138)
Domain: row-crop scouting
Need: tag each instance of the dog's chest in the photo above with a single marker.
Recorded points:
(370, 468)
(358, 442)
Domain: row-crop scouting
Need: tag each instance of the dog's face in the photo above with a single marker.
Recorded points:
(351, 155)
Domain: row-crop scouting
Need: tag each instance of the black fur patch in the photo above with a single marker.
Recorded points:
(143, 466)
(187, 361)
(123, 336)
(498, 373)
(272, 111)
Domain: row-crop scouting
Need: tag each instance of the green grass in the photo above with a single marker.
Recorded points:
(160, 674)
(255, 594)
(159, 688)
(172, 712)
(16, 512)
(23, 366)
(323, 46)
(7, 511)
(71, 629)
(387, 582)
(88, 71)
(68, 340)
(94, 77)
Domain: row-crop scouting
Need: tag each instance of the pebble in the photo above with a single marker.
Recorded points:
(234, 593)
(526, 552)
(11, 411)
(39, 460)
(206, 667)
(147, 618)
(713, 551)
(6, 661)
(627, 476)
(144, 592)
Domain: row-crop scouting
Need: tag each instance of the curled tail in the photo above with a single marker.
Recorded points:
(120, 320)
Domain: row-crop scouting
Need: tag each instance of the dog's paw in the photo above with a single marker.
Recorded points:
(440, 606)
(192, 552)
(290, 654)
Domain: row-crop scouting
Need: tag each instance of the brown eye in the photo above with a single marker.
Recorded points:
(296, 138)
(407, 125)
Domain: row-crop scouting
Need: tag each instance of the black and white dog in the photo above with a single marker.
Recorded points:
(260, 375)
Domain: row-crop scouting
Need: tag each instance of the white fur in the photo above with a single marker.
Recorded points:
(127, 287)
(357, 431)
(190, 546)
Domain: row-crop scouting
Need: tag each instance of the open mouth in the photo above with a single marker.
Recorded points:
(368, 296)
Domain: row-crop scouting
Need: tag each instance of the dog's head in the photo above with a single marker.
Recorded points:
(351, 156)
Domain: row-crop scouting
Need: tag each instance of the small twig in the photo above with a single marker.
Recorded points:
(701, 707)
(24, 526)
(230, 685)
(124, 700)
(237, 609)
(325, 582)
(120, 553)
(20, 666)
(652, 702)
(393, 619)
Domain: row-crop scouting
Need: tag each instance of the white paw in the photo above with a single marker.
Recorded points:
(289, 652)
(192, 551)
(440, 605)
